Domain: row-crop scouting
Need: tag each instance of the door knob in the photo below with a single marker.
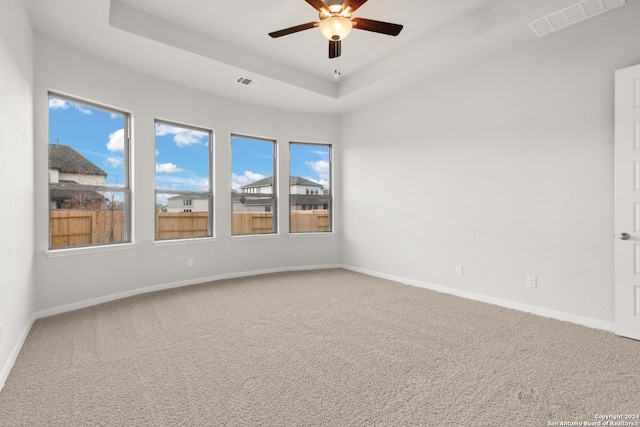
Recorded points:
(625, 236)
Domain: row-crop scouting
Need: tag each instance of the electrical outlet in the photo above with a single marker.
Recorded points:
(363, 254)
(189, 262)
(532, 282)
(459, 270)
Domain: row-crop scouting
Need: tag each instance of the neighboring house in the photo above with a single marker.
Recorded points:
(263, 186)
(236, 201)
(303, 195)
(66, 165)
(188, 203)
(242, 203)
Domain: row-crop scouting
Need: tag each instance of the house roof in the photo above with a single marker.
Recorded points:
(303, 199)
(293, 180)
(294, 199)
(66, 159)
(59, 194)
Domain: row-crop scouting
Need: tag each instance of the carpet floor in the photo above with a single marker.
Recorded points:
(315, 348)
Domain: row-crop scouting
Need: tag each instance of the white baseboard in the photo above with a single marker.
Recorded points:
(6, 369)
(539, 311)
(147, 289)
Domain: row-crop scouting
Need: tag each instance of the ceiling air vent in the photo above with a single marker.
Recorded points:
(572, 14)
(247, 82)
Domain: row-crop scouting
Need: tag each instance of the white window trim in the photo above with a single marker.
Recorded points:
(273, 195)
(184, 241)
(331, 193)
(210, 194)
(255, 236)
(126, 188)
(85, 250)
(315, 234)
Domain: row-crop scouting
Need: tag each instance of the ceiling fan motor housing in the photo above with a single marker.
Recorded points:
(333, 3)
(336, 23)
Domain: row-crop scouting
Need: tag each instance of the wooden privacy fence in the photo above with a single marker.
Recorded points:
(262, 222)
(81, 228)
(252, 222)
(310, 221)
(174, 225)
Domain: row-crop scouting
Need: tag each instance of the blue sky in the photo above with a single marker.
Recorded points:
(182, 158)
(182, 154)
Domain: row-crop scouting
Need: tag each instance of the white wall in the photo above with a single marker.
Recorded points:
(505, 167)
(16, 179)
(84, 276)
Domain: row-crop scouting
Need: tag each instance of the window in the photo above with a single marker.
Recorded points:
(183, 179)
(253, 184)
(89, 195)
(310, 188)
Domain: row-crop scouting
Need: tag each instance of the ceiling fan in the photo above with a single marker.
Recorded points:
(336, 23)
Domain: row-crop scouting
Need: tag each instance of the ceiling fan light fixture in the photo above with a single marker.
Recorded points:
(336, 27)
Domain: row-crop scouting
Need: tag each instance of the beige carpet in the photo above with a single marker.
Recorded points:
(320, 348)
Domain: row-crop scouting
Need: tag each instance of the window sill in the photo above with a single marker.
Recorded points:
(180, 242)
(255, 236)
(59, 253)
(312, 234)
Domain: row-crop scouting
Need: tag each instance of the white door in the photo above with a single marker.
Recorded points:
(627, 202)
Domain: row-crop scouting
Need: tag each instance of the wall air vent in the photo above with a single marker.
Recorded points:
(247, 82)
(572, 14)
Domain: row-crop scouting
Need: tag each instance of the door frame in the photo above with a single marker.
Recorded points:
(627, 202)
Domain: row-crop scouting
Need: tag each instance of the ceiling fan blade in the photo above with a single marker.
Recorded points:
(335, 48)
(319, 5)
(353, 4)
(377, 26)
(292, 30)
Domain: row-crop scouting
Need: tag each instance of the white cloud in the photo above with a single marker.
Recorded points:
(55, 104)
(192, 183)
(168, 168)
(319, 167)
(185, 139)
(82, 109)
(116, 141)
(238, 181)
(181, 136)
(115, 162)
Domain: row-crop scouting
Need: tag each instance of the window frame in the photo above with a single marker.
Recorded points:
(125, 189)
(314, 196)
(209, 194)
(256, 194)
